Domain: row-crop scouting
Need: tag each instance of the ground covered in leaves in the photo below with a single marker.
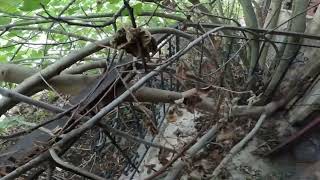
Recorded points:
(96, 153)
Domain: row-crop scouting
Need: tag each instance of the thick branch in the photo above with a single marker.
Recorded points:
(202, 8)
(16, 74)
(290, 52)
(85, 67)
(26, 99)
(72, 168)
(270, 23)
(62, 83)
(179, 165)
(67, 138)
(51, 71)
(251, 21)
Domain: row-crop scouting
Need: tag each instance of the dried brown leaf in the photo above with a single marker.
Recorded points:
(148, 122)
(136, 41)
(194, 96)
(150, 168)
(172, 114)
(191, 102)
(184, 72)
(163, 156)
(225, 135)
(171, 118)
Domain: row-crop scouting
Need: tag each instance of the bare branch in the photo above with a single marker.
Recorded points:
(70, 167)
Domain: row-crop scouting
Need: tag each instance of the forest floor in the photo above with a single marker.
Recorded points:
(180, 126)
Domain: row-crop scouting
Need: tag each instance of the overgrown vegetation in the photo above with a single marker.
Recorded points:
(110, 71)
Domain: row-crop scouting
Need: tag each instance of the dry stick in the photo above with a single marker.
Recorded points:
(95, 119)
(270, 109)
(29, 165)
(79, 37)
(67, 126)
(34, 175)
(135, 139)
(107, 23)
(53, 89)
(20, 97)
(51, 71)
(174, 159)
(147, 13)
(246, 110)
(45, 156)
(70, 167)
(150, 122)
(257, 30)
(50, 170)
(176, 169)
(238, 147)
(20, 133)
(123, 153)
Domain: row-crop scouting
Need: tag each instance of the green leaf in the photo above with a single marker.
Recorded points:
(3, 58)
(148, 7)
(137, 8)
(9, 122)
(99, 5)
(30, 5)
(5, 20)
(9, 48)
(10, 5)
(125, 12)
(114, 1)
(73, 9)
(35, 53)
(13, 33)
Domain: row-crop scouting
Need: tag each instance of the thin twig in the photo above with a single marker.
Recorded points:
(70, 136)
(20, 97)
(70, 167)
(238, 147)
(135, 139)
(174, 159)
(54, 90)
(203, 141)
(269, 110)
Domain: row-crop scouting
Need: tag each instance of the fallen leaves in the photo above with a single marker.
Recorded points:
(136, 41)
(149, 121)
(184, 73)
(171, 117)
(224, 135)
(173, 113)
(163, 156)
(193, 97)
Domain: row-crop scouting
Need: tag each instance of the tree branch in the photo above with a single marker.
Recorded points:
(51, 71)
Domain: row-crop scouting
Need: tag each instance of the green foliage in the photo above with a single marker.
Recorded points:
(114, 1)
(5, 20)
(137, 8)
(10, 6)
(29, 5)
(27, 46)
(18, 121)
(52, 97)
(9, 122)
